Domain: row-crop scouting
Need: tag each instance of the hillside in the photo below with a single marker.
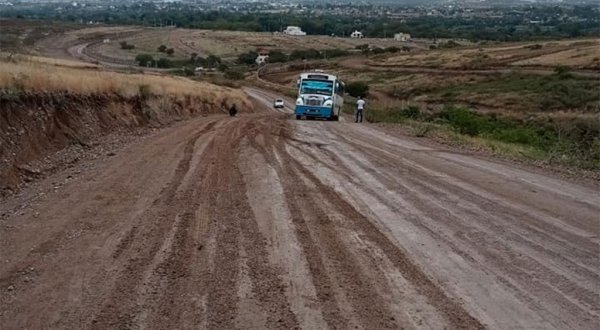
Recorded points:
(47, 105)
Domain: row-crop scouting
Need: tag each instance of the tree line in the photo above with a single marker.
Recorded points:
(512, 25)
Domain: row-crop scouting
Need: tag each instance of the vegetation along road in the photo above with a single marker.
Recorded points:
(261, 221)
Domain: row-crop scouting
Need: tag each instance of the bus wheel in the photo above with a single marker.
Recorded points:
(298, 117)
(335, 118)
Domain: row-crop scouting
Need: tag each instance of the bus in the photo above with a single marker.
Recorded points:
(320, 95)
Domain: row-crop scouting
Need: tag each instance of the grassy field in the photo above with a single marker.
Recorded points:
(36, 74)
(579, 54)
(226, 44)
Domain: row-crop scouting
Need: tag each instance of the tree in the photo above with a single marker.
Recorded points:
(248, 58)
(144, 59)
(277, 56)
(193, 57)
(164, 63)
(222, 67)
(125, 45)
(170, 51)
(213, 61)
(162, 48)
(357, 88)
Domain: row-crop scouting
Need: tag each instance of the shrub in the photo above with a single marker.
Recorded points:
(187, 71)
(534, 47)
(248, 58)
(412, 112)
(222, 67)
(563, 71)
(277, 56)
(357, 88)
(164, 63)
(162, 48)
(392, 49)
(234, 74)
(334, 52)
(170, 51)
(125, 45)
(144, 59)
(144, 91)
(463, 120)
(213, 61)
(305, 54)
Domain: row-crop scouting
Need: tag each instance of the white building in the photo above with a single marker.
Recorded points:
(402, 36)
(294, 31)
(263, 57)
(357, 35)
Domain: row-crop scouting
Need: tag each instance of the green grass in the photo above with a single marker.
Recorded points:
(573, 141)
(550, 92)
(559, 91)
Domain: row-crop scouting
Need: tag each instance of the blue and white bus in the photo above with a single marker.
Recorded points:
(320, 95)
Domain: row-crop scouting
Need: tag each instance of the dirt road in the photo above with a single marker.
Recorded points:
(265, 222)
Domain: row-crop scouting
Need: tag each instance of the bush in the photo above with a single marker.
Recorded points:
(277, 56)
(222, 67)
(357, 88)
(170, 51)
(213, 61)
(305, 54)
(188, 71)
(164, 63)
(234, 74)
(125, 45)
(412, 112)
(334, 52)
(144, 91)
(463, 120)
(392, 49)
(162, 48)
(563, 72)
(248, 58)
(534, 47)
(144, 59)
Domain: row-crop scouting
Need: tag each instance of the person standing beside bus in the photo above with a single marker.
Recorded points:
(360, 107)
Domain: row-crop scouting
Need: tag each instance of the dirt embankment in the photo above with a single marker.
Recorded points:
(34, 126)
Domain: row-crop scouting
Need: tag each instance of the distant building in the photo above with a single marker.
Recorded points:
(294, 31)
(402, 36)
(263, 56)
(356, 35)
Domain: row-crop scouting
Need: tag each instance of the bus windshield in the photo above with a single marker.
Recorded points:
(321, 87)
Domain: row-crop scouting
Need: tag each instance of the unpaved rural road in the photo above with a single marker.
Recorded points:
(262, 221)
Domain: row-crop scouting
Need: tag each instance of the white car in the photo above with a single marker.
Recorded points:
(278, 103)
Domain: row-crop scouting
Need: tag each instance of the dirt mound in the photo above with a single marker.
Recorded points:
(35, 125)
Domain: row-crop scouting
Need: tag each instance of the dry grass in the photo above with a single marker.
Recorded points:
(227, 44)
(18, 58)
(580, 54)
(47, 75)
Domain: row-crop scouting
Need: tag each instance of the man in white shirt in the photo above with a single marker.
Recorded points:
(360, 107)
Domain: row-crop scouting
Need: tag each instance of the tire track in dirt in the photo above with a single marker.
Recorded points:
(330, 251)
(145, 242)
(456, 316)
(473, 236)
(415, 186)
(440, 207)
(237, 227)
